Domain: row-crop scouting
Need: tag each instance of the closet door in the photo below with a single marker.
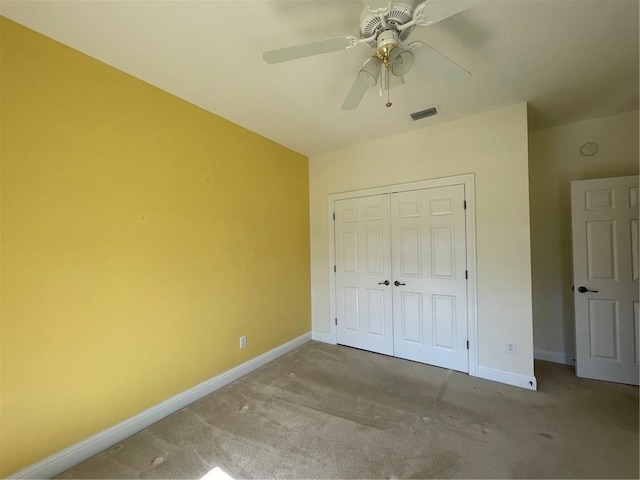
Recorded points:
(429, 267)
(363, 273)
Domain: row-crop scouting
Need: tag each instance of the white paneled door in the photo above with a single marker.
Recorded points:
(363, 273)
(429, 265)
(400, 275)
(606, 271)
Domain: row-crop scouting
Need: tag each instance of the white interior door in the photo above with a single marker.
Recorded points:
(606, 271)
(429, 267)
(400, 275)
(363, 273)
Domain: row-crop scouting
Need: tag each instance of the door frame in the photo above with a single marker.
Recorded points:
(468, 180)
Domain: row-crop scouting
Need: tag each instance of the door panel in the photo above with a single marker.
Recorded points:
(636, 330)
(375, 311)
(350, 252)
(411, 318)
(443, 252)
(634, 250)
(600, 250)
(374, 252)
(605, 261)
(363, 259)
(410, 262)
(351, 315)
(444, 315)
(428, 228)
(603, 329)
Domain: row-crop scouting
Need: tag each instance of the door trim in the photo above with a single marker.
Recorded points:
(468, 180)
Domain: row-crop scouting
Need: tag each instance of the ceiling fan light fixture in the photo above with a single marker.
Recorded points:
(385, 26)
(400, 61)
(370, 71)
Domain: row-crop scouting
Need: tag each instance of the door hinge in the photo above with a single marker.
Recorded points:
(465, 204)
(466, 274)
(334, 216)
(467, 344)
(336, 321)
(334, 269)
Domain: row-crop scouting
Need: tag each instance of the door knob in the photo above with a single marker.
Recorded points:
(582, 289)
(386, 282)
(397, 283)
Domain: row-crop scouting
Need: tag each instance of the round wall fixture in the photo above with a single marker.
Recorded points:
(589, 148)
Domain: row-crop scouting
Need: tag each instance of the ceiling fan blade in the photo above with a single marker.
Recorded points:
(309, 49)
(438, 66)
(435, 11)
(355, 95)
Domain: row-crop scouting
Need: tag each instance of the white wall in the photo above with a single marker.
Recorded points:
(554, 161)
(494, 147)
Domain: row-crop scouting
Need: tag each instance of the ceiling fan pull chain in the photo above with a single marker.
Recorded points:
(388, 104)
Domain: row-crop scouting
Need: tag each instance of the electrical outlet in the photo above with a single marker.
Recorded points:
(510, 347)
(243, 341)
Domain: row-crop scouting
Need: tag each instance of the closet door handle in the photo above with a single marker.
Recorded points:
(386, 282)
(397, 283)
(583, 289)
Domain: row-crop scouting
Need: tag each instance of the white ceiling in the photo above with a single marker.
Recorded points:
(570, 59)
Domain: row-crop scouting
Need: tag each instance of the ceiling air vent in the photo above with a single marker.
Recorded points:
(429, 112)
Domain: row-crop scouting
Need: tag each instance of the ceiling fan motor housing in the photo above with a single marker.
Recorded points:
(400, 13)
(387, 39)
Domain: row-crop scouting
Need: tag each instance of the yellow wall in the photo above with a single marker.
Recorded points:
(141, 236)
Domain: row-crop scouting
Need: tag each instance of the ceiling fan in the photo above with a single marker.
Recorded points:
(385, 25)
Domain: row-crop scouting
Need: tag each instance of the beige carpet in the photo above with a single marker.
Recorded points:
(326, 411)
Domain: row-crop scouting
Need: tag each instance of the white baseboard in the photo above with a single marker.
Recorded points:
(509, 378)
(555, 357)
(87, 448)
(322, 337)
